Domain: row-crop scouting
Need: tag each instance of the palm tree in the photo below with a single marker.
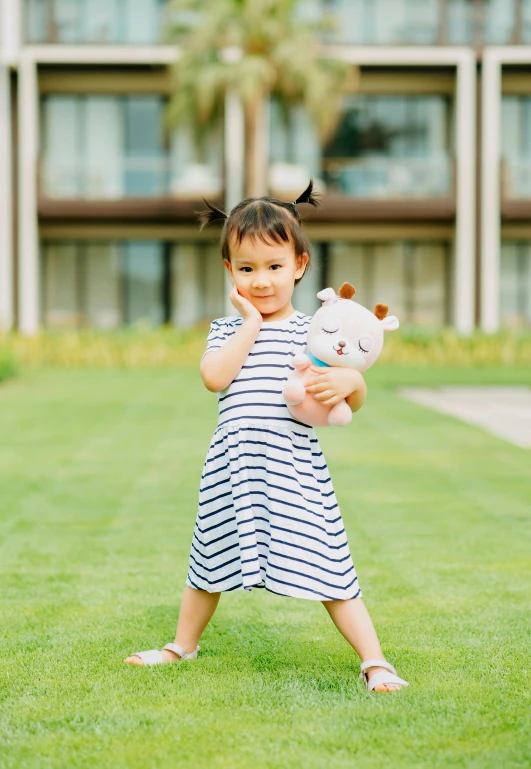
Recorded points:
(256, 49)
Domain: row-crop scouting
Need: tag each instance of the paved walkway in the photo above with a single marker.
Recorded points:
(502, 411)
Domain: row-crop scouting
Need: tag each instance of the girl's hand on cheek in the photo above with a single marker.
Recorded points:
(332, 385)
(244, 306)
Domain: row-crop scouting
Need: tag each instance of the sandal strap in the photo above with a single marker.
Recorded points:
(181, 651)
(376, 664)
(151, 657)
(385, 678)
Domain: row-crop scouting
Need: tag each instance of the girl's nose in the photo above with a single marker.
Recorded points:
(260, 281)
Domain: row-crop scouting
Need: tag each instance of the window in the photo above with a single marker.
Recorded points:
(487, 21)
(515, 284)
(516, 146)
(376, 22)
(111, 147)
(108, 284)
(135, 22)
(412, 278)
(383, 147)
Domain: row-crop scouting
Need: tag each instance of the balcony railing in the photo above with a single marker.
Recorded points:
(387, 178)
(143, 177)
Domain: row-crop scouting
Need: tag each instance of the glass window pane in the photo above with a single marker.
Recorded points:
(102, 156)
(62, 170)
(516, 146)
(460, 21)
(410, 277)
(351, 262)
(142, 21)
(70, 21)
(382, 22)
(103, 285)
(195, 172)
(145, 157)
(305, 294)
(515, 284)
(526, 21)
(61, 277)
(143, 274)
(103, 22)
(188, 284)
(390, 146)
(137, 22)
(429, 284)
(36, 19)
(498, 21)
(215, 288)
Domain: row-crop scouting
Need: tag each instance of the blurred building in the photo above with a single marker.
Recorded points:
(427, 179)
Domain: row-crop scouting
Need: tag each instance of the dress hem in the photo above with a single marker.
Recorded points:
(296, 593)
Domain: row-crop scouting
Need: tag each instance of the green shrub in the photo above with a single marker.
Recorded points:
(8, 367)
(169, 347)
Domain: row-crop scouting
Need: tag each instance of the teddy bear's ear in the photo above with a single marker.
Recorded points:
(327, 295)
(347, 291)
(381, 311)
(390, 323)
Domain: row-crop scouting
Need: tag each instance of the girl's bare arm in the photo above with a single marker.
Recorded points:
(220, 367)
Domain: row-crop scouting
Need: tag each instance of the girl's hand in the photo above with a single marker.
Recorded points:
(334, 384)
(244, 306)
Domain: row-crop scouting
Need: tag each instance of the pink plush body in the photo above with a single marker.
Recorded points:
(304, 407)
(342, 333)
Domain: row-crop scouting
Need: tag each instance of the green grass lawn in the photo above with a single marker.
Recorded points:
(99, 474)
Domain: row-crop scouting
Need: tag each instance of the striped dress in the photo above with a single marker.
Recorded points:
(268, 515)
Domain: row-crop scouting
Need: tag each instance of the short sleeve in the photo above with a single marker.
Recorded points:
(220, 331)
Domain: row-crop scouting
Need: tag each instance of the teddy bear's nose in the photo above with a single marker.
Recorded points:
(342, 344)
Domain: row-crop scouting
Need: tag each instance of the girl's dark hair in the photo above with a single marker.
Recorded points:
(269, 219)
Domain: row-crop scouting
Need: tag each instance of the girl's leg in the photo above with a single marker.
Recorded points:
(354, 623)
(197, 608)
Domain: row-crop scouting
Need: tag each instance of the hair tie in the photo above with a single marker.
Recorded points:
(211, 214)
(308, 196)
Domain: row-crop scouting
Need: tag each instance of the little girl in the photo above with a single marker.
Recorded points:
(268, 515)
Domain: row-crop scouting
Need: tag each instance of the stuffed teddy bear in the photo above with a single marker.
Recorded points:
(341, 333)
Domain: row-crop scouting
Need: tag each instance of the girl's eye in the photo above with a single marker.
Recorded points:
(244, 269)
(275, 266)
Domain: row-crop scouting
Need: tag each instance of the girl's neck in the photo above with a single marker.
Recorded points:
(281, 314)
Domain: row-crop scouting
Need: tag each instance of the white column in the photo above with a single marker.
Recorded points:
(490, 193)
(234, 167)
(465, 226)
(6, 204)
(28, 235)
(10, 30)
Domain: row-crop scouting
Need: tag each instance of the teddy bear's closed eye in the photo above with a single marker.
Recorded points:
(331, 326)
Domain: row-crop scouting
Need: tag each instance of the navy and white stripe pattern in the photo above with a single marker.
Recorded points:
(268, 515)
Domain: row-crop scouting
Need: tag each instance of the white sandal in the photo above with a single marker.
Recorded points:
(154, 657)
(382, 677)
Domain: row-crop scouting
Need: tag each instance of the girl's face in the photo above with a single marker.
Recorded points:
(265, 274)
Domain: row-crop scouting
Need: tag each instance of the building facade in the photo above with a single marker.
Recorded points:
(426, 182)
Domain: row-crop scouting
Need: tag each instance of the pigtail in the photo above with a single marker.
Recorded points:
(210, 214)
(308, 196)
